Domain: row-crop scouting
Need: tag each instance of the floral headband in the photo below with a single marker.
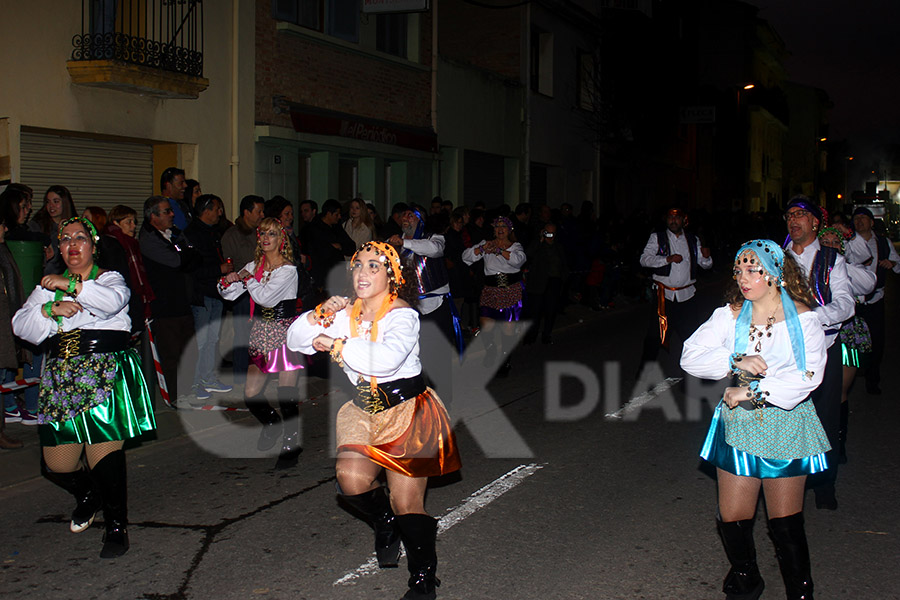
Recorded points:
(836, 232)
(502, 222)
(386, 254)
(95, 238)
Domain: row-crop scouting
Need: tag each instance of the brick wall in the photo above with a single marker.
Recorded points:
(324, 76)
(486, 38)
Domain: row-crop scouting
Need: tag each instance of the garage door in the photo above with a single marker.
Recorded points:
(97, 172)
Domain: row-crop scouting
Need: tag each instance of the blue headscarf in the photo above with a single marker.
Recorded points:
(771, 257)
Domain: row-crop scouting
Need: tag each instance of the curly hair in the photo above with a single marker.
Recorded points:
(794, 282)
(408, 290)
(270, 224)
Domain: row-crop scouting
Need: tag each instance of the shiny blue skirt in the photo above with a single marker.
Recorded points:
(716, 451)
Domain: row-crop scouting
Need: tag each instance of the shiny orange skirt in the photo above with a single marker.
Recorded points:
(413, 438)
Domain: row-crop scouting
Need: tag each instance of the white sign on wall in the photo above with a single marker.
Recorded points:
(394, 6)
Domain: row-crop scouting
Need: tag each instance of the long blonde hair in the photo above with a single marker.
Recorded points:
(270, 224)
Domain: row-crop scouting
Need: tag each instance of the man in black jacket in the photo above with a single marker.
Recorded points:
(206, 303)
(328, 243)
(167, 258)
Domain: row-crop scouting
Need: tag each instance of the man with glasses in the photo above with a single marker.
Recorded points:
(206, 303)
(172, 186)
(827, 273)
(168, 259)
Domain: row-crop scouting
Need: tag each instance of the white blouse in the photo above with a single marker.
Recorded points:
(708, 351)
(394, 355)
(275, 286)
(105, 304)
(495, 263)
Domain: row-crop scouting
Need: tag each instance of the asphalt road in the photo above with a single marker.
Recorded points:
(590, 507)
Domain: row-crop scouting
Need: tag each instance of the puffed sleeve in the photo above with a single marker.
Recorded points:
(788, 386)
(469, 257)
(105, 296)
(301, 334)
(282, 285)
(29, 323)
(235, 290)
(383, 358)
(517, 256)
(707, 352)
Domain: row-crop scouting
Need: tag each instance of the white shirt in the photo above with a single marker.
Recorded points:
(865, 249)
(707, 354)
(842, 305)
(275, 286)
(432, 247)
(680, 274)
(105, 304)
(495, 263)
(394, 355)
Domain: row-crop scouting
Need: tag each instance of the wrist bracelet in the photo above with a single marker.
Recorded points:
(324, 317)
(337, 347)
(734, 359)
(70, 290)
(48, 308)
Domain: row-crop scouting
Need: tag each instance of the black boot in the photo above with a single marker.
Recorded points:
(87, 497)
(792, 551)
(110, 476)
(419, 534)
(743, 581)
(376, 507)
(290, 415)
(268, 416)
(842, 433)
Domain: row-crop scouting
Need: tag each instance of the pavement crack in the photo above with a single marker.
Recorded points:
(210, 532)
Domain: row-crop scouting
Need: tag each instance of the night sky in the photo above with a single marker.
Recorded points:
(852, 51)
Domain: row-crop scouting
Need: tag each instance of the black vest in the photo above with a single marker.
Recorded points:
(662, 240)
(884, 251)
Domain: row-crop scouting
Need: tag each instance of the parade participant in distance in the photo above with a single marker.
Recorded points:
(674, 254)
(764, 432)
(394, 423)
(501, 297)
(93, 395)
(826, 273)
(271, 281)
(854, 335)
(880, 257)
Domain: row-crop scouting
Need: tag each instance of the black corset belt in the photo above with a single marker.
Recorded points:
(503, 279)
(389, 394)
(87, 341)
(285, 309)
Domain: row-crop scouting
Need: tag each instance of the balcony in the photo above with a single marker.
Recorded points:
(149, 47)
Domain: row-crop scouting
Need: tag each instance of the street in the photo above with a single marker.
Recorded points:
(600, 508)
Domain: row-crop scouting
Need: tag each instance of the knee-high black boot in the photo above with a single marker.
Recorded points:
(842, 433)
(743, 581)
(110, 475)
(792, 551)
(376, 507)
(507, 346)
(419, 535)
(290, 417)
(87, 496)
(268, 416)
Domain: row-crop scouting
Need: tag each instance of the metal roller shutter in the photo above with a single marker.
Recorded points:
(97, 172)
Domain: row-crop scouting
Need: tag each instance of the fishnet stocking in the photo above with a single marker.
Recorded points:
(738, 496)
(357, 474)
(65, 458)
(784, 496)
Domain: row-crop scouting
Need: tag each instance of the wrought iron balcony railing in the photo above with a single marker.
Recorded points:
(161, 34)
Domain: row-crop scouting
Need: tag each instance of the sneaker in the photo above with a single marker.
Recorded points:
(27, 417)
(218, 387)
(12, 415)
(201, 393)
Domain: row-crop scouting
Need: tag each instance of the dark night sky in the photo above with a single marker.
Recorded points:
(851, 50)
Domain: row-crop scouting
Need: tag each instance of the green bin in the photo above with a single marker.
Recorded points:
(29, 257)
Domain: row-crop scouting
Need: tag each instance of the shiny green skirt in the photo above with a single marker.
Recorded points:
(126, 413)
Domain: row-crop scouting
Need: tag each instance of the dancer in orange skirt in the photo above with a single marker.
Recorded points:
(394, 422)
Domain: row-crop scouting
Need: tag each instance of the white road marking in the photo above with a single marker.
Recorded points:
(638, 401)
(475, 502)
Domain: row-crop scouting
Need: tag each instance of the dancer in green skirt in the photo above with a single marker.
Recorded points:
(93, 396)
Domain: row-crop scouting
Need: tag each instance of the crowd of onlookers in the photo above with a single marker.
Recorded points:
(185, 244)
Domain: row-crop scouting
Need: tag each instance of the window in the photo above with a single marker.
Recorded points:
(541, 62)
(391, 34)
(587, 82)
(338, 18)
